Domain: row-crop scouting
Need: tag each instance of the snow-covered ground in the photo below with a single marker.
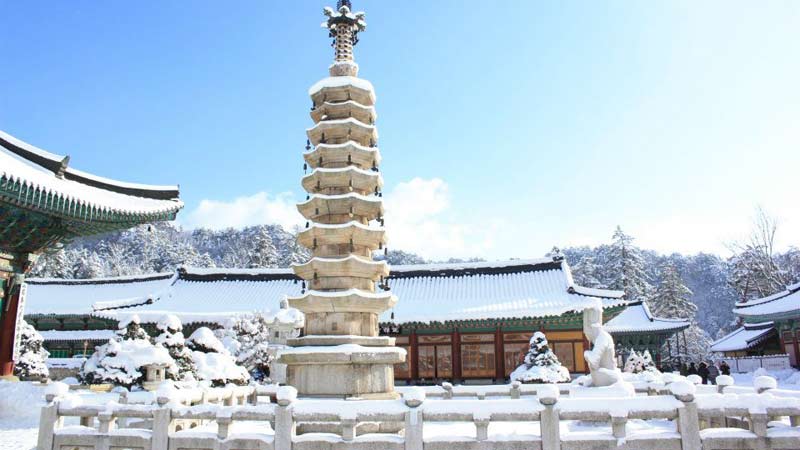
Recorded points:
(20, 404)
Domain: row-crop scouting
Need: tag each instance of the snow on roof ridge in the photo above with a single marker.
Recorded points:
(432, 267)
(56, 158)
(756, 336)
(123, 303)
(101, 280)
(235, 271)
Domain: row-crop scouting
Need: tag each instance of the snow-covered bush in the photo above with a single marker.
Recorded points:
(213, 361)
(172, 339)
(122, 362)
(634, 363)
(541, 364)
(32, 354)
(252, 334)
(131, 329)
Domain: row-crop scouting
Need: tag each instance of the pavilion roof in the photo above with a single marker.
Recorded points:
(781, 305)
(744, 337)
(637, 318)
(427, 293)
(43, 182)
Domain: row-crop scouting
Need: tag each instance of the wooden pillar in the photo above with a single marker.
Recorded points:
(412, 357)
(8, 325)
(499, 359)
(455, 346)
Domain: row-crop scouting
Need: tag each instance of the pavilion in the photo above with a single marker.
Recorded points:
(43, 202)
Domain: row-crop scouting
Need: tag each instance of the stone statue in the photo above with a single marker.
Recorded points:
(601, 359)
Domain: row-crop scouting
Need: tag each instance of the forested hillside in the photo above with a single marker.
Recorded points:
(675, 285)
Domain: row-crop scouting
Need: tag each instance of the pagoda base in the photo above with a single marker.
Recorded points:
(342, 371)
(367, 381)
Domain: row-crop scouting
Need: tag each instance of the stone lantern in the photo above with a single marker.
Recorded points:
(154, 375)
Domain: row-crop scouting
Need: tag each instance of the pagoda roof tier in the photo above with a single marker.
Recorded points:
(342, 177)
(350, 266)
(351, 300)
(350, 152)
(343, 110)
(342, 130)
(342, 354)
(357, 233)
(342, 89)
(45, 197)
(319, 205)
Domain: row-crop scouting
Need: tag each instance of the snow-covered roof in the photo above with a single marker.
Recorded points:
(56, 296)
(744, 337)
(779, 305)
(42, 174)
(427, 292)
(637, 318)
(78, 335)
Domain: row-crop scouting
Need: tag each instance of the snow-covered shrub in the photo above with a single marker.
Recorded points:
(634, 363)
(252, 334)
(122, 362)
(172, 339)
(131, 329)
(227, 336)
(541, 364)
(213, 361)
(32, 354)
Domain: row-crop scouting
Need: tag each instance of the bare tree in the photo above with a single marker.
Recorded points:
(756, 271)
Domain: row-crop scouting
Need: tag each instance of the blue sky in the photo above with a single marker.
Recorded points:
(506, 127)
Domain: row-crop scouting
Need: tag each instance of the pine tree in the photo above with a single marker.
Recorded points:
(32, 354)
(585, 273)
(541, 365)
(172, 339)
(634, 363)
(264, 253)
(213, 361)
(131, 329)
(252, 333)
(625, 267)
(672, 299)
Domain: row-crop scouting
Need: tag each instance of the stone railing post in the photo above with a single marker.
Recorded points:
(106, 420)
(688, 418)
(162, 416)
(413, 432)
(551, 434)
(254, 396)
(515, 391)
(223, 426)
(723, 381)
(122, 422)
(618, 424)
(794, 420)
(448, 391)
(49, 421)
(348, 428)
(481, 428)
(285, 428)
(764, 383)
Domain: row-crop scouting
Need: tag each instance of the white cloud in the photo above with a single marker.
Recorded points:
(257, 209)
(419, 219)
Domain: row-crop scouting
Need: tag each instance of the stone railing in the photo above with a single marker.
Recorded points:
(687, 420)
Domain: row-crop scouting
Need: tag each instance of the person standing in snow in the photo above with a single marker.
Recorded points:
(713, 373)
(702, 370)
(725, 368)
(692, 369)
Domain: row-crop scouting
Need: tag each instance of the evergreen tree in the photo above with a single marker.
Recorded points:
(625, 267)
(672, 299)
(131, 329)
(541, 365)
(634, 363)
(585, 273)
(264, 254)
(213, 361)
(252, 333)
(172, 339)
(32, 354)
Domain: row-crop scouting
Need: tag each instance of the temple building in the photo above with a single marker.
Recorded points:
(44, 201)
(770, 325)
(461, 322)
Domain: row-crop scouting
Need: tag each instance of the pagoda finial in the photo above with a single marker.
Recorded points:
(343, 26)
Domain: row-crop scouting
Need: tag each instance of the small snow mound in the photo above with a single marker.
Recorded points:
(169, 322)
(57, 389)
(725, 380)
(20, 401)
(765, 382)
(694, 379)
(447, 386)
(682, 388)
(415, 394)
(670, 377)
(547, 391)
(70, 380)
(286, 394)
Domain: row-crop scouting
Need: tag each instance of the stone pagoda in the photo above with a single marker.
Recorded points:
(344, 292)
